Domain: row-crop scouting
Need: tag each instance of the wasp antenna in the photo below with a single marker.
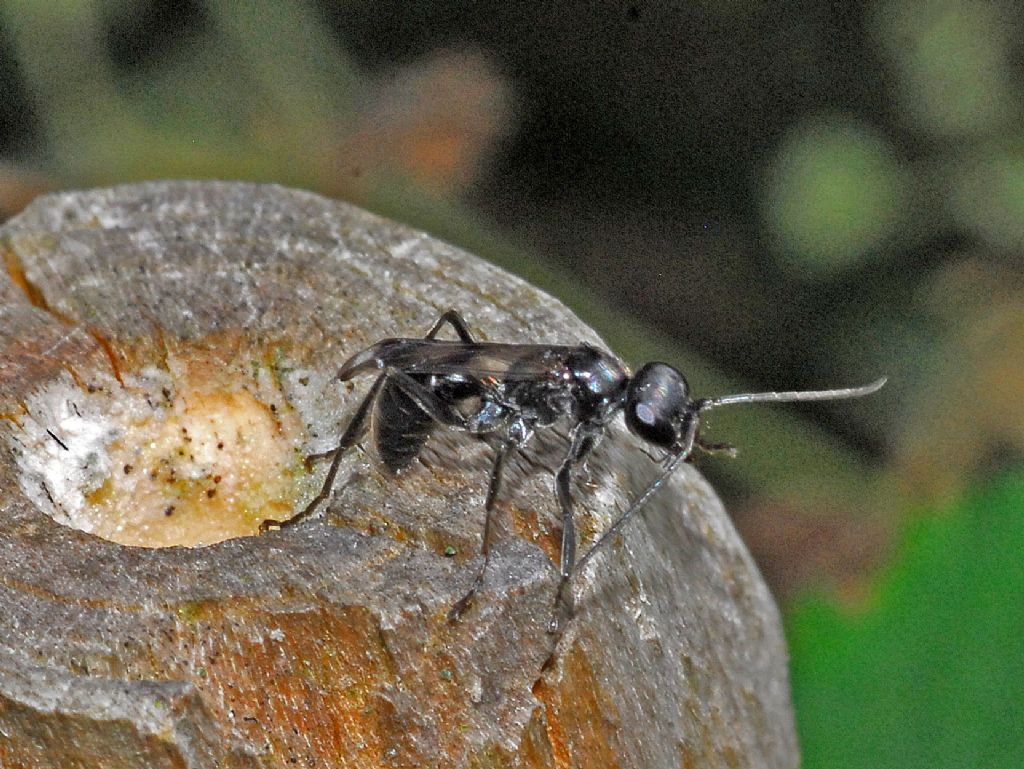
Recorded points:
(793, 395)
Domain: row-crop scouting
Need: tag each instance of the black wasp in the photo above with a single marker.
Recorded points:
(511, 390)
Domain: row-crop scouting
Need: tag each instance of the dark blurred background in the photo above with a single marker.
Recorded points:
(771, 195)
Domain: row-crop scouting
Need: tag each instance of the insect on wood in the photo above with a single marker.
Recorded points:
(512, 390)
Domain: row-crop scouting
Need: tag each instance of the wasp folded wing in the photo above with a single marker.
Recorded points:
(469, 360)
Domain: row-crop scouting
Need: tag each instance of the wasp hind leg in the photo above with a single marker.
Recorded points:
(454, 319)
(422, 396)
(355, 430)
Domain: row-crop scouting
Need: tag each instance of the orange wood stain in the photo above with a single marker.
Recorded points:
(111, 354)
(580, 717)
(35, 296)
(310, 695)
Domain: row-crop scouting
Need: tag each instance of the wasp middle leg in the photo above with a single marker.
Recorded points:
(492, 494)
(583, 442)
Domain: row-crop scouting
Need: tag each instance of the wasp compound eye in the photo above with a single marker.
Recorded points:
(656, 400)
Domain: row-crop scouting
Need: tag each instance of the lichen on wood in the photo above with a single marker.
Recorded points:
(167, 353)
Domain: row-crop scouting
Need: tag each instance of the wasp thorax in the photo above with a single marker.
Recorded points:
(599, 381)
(656, 400)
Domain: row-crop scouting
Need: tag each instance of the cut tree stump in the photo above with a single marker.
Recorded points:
(167, 359)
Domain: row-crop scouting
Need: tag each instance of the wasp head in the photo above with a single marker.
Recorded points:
(658, 405)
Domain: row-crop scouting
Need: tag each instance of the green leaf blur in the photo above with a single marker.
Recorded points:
(930, 675)
(836, 195)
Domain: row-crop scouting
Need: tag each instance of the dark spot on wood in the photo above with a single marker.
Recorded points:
(59, 441)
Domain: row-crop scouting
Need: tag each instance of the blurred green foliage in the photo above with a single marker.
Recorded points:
(954, 61)
(988, 195)
(916, 211)
(929, 673)
(836, 196)
(260, 96)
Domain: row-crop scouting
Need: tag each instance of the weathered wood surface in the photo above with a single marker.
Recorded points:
(222, 311)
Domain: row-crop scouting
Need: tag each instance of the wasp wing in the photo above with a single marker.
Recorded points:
(400, 426)
(467, 360)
